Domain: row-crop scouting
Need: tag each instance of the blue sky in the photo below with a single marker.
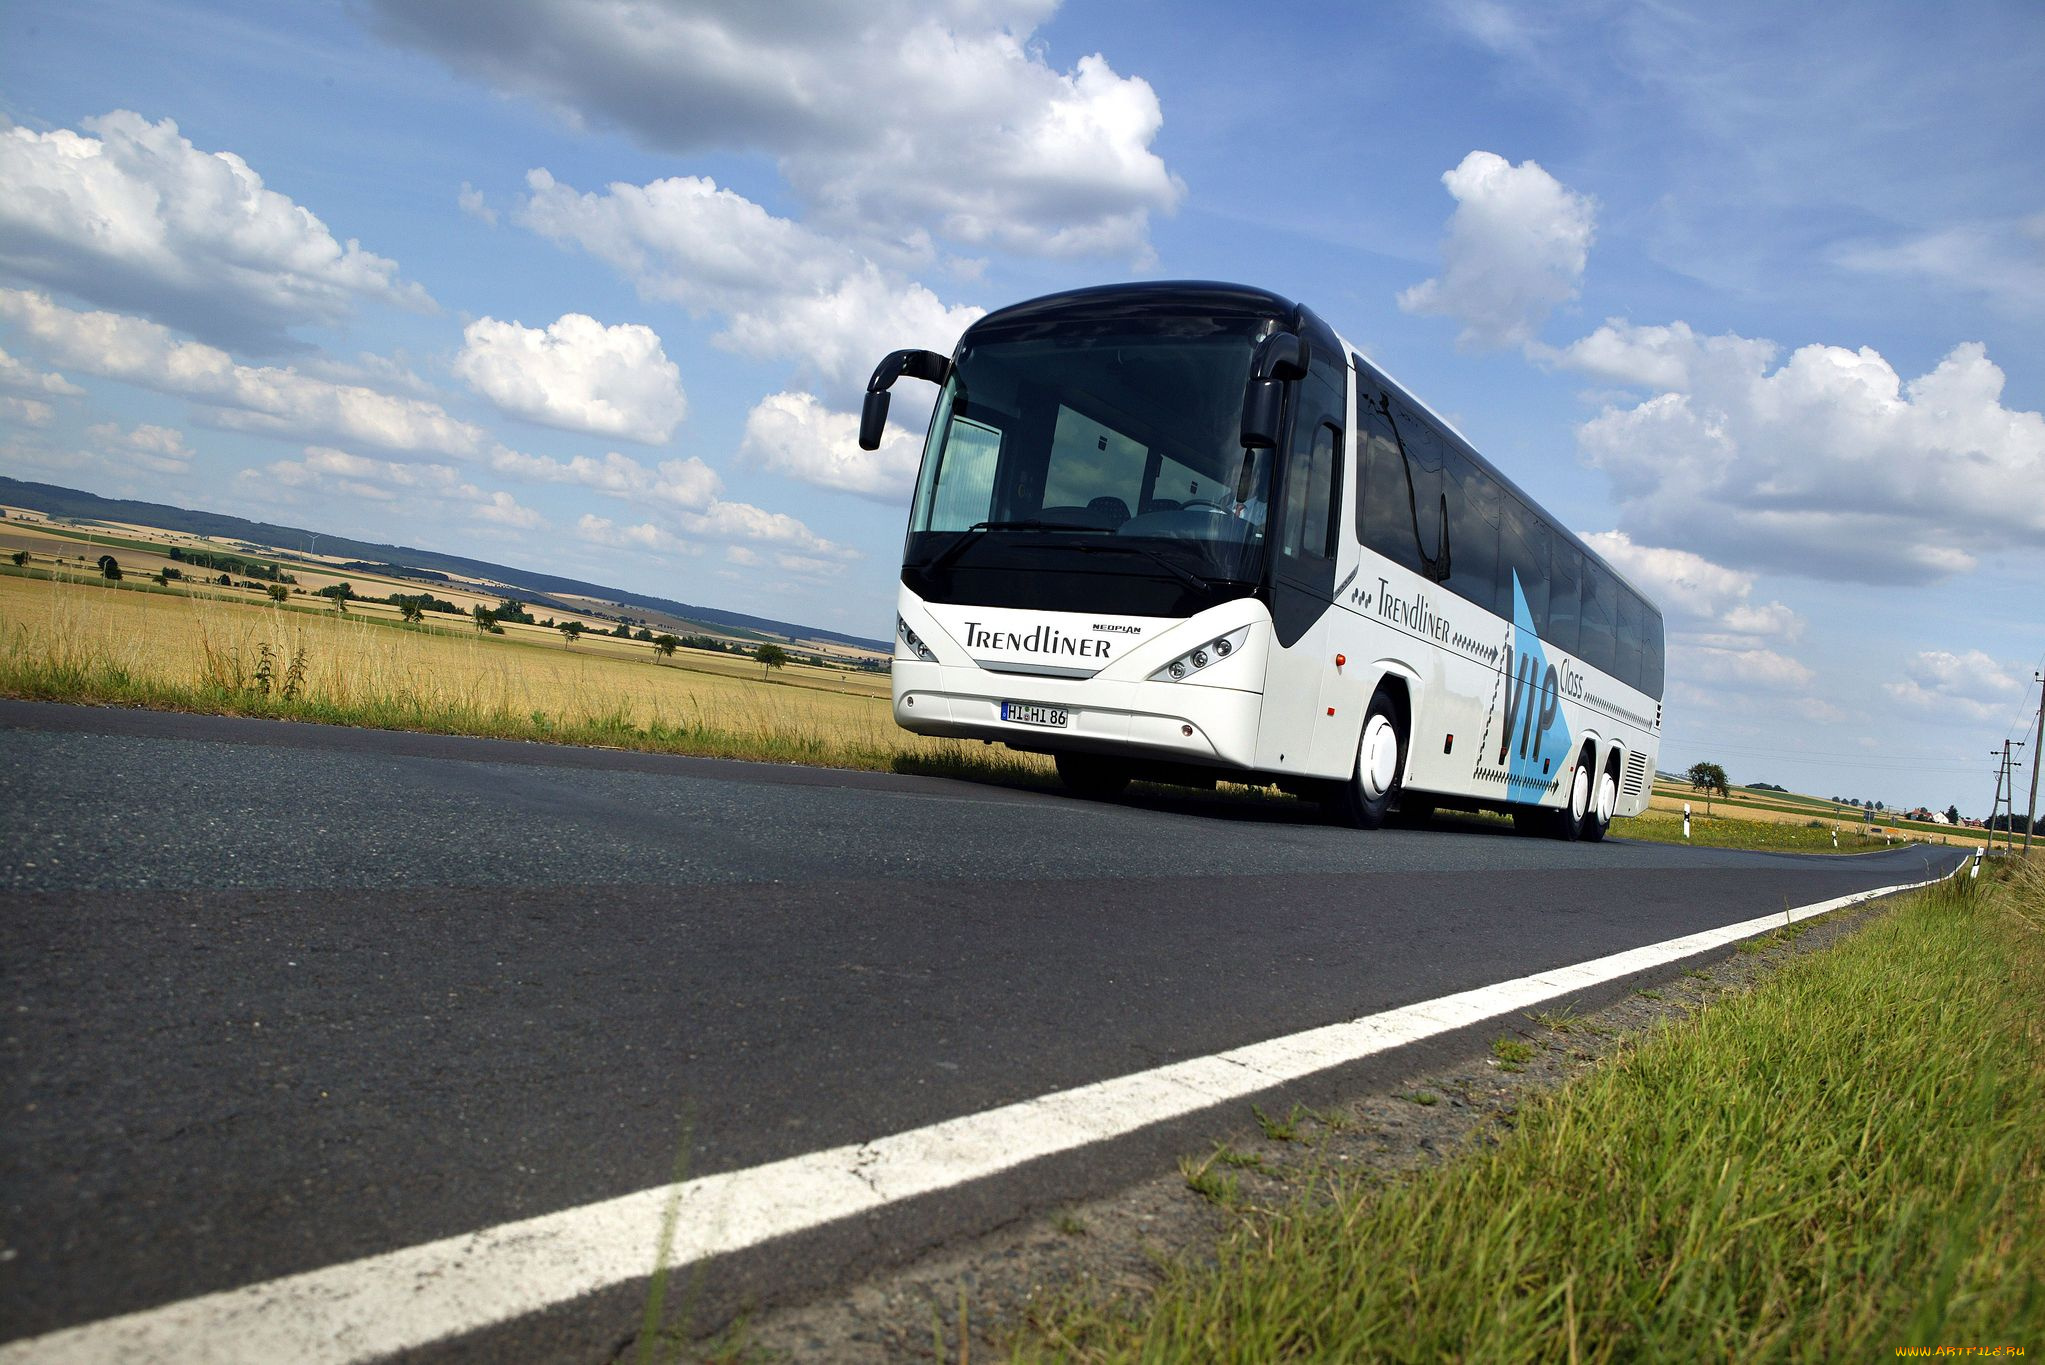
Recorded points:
(1748, 294)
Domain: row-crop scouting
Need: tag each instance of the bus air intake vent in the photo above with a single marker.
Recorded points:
(1636, 774)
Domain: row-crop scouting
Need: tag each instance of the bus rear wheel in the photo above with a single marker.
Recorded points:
(1570, 822)
(1091, 776)
(1598, 819)
(1372, 790)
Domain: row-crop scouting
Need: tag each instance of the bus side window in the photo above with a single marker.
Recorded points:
(1313, 496)
(1600, 594)
(1651, 660)
(1524, 554)
(1473, 533)
(1564, 628)
(1424, 456)
(1628, 670)
(1384, 512)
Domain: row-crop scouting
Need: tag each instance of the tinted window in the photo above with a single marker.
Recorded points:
(1473, 531)
(1563, 628)
(1600, 603)
(1651, 663)
(1628, 635)
(1384, 512)
(1424, 455)
(1311, 496)
(1523, 551)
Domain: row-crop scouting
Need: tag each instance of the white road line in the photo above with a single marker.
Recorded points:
(365, 1309)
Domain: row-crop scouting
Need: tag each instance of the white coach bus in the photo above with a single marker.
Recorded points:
(1183, 532)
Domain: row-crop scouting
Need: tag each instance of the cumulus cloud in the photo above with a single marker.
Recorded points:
(577, 374)
(160, 450)
(794, 434)
(1973, 684)
(23, 379)
(30, 412)
(137, 218)
(889, 119)
(273, 400)
(688, 484)
(1828, 465)
(1516, 247)
(782, 289)
(441, 488)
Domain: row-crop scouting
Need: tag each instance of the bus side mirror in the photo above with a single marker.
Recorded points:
(1282, 356)
(873, 416)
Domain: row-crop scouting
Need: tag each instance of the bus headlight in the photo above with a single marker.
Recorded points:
(914, 641)
(1196, 659)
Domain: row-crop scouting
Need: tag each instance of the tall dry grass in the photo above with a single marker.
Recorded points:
(67, 641)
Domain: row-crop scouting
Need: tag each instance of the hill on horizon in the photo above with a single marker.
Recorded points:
(54, 500)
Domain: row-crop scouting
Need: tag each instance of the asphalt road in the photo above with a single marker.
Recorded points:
(277, 996)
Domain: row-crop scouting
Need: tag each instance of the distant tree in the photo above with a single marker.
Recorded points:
(110, 568)
(1708, 778)
(172, 574)
(279, 593)
(569, 631)
(410, 610)
(622, 631)
(665, 645)
(1953, 814)
(225, 580)
(771, 657)
(481, 616)
(20, 557)
(643, 635)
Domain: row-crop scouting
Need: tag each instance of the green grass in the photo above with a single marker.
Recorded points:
(1729, 831)
(1843, 1161)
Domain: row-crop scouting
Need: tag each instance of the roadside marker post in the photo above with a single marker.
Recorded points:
(1686, 819)
(1974, 869)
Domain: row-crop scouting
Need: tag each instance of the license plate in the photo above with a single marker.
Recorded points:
(1029, 713)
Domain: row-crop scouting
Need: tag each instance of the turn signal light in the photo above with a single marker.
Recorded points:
(1192, 661)
(1341, 659)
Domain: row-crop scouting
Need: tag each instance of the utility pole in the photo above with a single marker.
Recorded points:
(2037, 747)
(1996, 804)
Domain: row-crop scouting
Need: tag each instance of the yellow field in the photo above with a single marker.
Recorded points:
(194, 643)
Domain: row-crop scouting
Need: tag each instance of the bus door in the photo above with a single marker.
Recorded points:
(1304, 537)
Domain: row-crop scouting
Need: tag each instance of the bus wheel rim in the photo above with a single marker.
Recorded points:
(1608, 798)
(1380, 757)
(1580, 793)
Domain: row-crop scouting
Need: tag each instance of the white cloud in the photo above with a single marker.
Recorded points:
(1515, 249)
(794, 434)
(160, 450)
(32, 412)
(137, 218)
(890, 119)
(1973, 684)
(2003, 260)
(689, 484)
(22, 379)
(1829, 465)
(472, 203)
(1745, 670)
(275, 400)
(783, 290)
(440, 488)
(578, 375)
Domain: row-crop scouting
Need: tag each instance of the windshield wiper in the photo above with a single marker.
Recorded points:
(1178, 571)
(981, 528)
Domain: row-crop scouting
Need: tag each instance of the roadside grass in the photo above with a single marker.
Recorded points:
(1738, 832)
(172, 651)
(1843, 1161)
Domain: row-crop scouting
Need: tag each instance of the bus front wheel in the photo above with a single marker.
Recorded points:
(1090, 776)
(1373, 789)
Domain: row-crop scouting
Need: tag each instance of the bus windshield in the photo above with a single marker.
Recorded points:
(1109, 448)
